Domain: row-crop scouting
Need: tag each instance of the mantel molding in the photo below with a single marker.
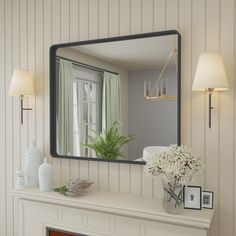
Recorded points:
(121, 205)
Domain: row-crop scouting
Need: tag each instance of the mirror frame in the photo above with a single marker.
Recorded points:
(53, 81)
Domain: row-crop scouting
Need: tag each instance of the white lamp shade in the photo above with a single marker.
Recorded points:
(210, 73)
(21, 83)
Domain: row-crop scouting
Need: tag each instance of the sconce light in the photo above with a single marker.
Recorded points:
(21, 85)
(210, 76)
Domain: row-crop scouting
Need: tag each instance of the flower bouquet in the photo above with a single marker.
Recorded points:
(177, 165)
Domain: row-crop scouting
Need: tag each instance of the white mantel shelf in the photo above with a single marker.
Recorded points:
(123, 205)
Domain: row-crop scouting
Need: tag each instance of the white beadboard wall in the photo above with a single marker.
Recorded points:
(29, 27)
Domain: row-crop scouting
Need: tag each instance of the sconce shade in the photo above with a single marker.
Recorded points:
(210, 73)
(21, 83)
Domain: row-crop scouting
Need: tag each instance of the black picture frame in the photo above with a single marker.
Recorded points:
(211, 204)
(187, 204)
(53, 85)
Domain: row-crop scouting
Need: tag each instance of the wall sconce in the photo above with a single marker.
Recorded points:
(21, 85)
(210, 76)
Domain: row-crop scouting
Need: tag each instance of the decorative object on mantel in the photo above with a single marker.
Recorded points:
(210, 76)
(207, 199)
(108, 143)
(20, 179)
(33, 159)
(176, 165)
(22, 85)
(193, 197)
(45, 176)
(74, 187)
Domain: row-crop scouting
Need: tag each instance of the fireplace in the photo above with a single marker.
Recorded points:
(57, 232)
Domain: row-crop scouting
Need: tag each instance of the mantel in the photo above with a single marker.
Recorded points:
(122, 205)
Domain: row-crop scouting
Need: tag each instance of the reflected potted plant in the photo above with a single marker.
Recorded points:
(177, 165)
(108, 143)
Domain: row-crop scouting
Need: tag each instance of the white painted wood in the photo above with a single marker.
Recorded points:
(136, 16)
(124, 15)
(185, 22)
(113, 18)
(124, 179)
(159, 15)
(120, 205)
(3, 171)
(30, 27)
(93, 19)
(136, 180)
(226, 150)
(103, 27)
(8, 110)
(147, 16)
(198, 99)
(211, 180)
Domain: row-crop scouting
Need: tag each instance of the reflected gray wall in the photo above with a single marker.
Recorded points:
(153, 123)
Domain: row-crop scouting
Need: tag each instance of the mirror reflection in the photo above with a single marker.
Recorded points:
(113, 99)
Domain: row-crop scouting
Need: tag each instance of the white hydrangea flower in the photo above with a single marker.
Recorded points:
(176, 162)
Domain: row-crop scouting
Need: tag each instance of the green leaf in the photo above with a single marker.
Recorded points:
(108, 143)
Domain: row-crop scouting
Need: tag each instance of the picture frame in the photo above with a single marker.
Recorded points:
(207, 199)
(193, 197)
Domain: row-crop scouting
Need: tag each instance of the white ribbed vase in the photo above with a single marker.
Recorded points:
(45, 176)
(33, 159)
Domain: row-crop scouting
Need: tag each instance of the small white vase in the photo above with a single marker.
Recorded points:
(33, 159)
(45, 176)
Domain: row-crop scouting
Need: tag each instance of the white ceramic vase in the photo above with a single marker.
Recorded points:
(45, 176)
(33, 159)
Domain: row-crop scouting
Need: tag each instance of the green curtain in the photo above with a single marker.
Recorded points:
(111, 110)
(65, 108)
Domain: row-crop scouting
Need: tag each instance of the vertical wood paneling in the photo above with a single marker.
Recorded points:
(198, 99)
(124, 179)
(29, 28)
(2, 121)
(124, 10)
(103, 28)
(31, 68)
(147, 16)
(15, 64)
(93, 19)
(226, 128)
(24, 64)
(212, 135)
(136, 16)
(113, 17)
(185, 21)
(172, 20)
(56, 37)
(65, 37)
(159, 15)
(74, 20)
(39, 70)
(8, 136)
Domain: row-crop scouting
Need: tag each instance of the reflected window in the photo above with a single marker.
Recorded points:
(87, 103)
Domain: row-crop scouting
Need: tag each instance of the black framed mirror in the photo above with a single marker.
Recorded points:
(103, 89)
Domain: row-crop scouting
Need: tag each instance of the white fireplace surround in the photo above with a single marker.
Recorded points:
(102, 213)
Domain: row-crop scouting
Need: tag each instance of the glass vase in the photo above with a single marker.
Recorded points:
(173, 197)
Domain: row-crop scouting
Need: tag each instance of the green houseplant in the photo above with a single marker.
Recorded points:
(108, 143)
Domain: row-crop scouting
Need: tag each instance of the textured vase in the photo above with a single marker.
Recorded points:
(173, 197)
(33, 159)
(45, 176)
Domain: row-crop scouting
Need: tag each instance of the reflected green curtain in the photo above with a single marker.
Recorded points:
(111, 110)
(64, 108)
